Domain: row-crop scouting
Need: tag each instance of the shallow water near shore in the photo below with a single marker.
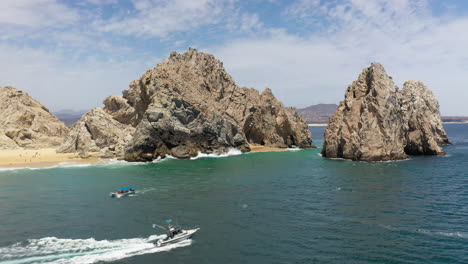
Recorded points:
(273, 207)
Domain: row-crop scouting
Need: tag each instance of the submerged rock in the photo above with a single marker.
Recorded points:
(189, 104)
(25, 123)
(376, 121)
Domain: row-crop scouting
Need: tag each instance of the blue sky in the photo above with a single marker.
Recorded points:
(72, 54)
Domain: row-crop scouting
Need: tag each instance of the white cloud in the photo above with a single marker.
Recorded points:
(36, 13)
(102, 2)
(62, 83)
(158, 18)
(317, 67)
(76, 65)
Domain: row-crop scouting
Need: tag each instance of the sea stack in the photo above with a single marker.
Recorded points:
(378, 122)
(185, 105)
(425, 132)
(25, 123)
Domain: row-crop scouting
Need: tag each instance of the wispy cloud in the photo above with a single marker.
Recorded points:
(159, 18)
(316, 66)
(307, 51)
(36, 13)
(61, 82)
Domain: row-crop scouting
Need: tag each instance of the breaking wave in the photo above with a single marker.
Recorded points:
(115, 163)
(84, 251)
(231, 152)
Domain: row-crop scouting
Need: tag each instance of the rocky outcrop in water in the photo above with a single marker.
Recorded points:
(25, 123)
(425, 132)
(377, 121)
(189, 104)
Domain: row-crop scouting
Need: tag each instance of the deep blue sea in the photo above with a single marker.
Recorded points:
(276, 207)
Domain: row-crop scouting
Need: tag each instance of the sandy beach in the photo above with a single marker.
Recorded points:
(47, 157)
(255, 148)
(40, 158)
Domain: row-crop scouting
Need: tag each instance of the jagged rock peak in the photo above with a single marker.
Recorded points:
(189, 104)
(377, 121)
(367, 125)
(25, 123)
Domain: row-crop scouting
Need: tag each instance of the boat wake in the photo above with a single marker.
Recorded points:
(83, 251)
(145, 190)
(428, 232)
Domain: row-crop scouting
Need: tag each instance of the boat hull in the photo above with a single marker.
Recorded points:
(118, 195)
(187, 234)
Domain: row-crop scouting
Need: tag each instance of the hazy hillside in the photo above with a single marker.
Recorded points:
(461, 119)
(69, 117)
(319, 113)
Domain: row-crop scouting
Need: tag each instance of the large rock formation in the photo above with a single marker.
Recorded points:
(97, 131)
(377, 121)
(25, 123)
(189, 104)
(425, 132)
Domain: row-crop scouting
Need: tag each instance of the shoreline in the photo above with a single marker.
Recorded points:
(41, 158)
(258, 149)
(47, 157)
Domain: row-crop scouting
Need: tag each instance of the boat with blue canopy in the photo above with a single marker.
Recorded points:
(125, 191)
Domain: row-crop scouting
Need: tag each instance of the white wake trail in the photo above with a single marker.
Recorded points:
(81, 251)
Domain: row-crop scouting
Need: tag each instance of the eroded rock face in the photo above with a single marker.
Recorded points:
(425, 132)
(189, 104)
(377, 122)
(368, 123)
(25, 123)
(98, 131)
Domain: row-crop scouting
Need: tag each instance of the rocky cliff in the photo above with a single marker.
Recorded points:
(425, 132)
(25, 123)
(185, 105)
(377, 121)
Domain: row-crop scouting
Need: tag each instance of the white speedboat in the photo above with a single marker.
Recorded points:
(123, 192)
(175, 234)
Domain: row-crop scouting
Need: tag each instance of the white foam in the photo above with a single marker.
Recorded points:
(446, 234)
(293, 149)
(68, 164)
(428, 232)
(59, 165)
(231, 152)
(83, 251)
(111, 163)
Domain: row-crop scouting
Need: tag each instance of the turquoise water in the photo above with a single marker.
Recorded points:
(282, 207)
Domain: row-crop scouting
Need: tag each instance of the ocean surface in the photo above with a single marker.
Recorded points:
(276, 207)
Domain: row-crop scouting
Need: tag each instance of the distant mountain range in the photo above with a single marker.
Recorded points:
(320, 113)
(69, 117)
(314, 114)
(456, 119)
